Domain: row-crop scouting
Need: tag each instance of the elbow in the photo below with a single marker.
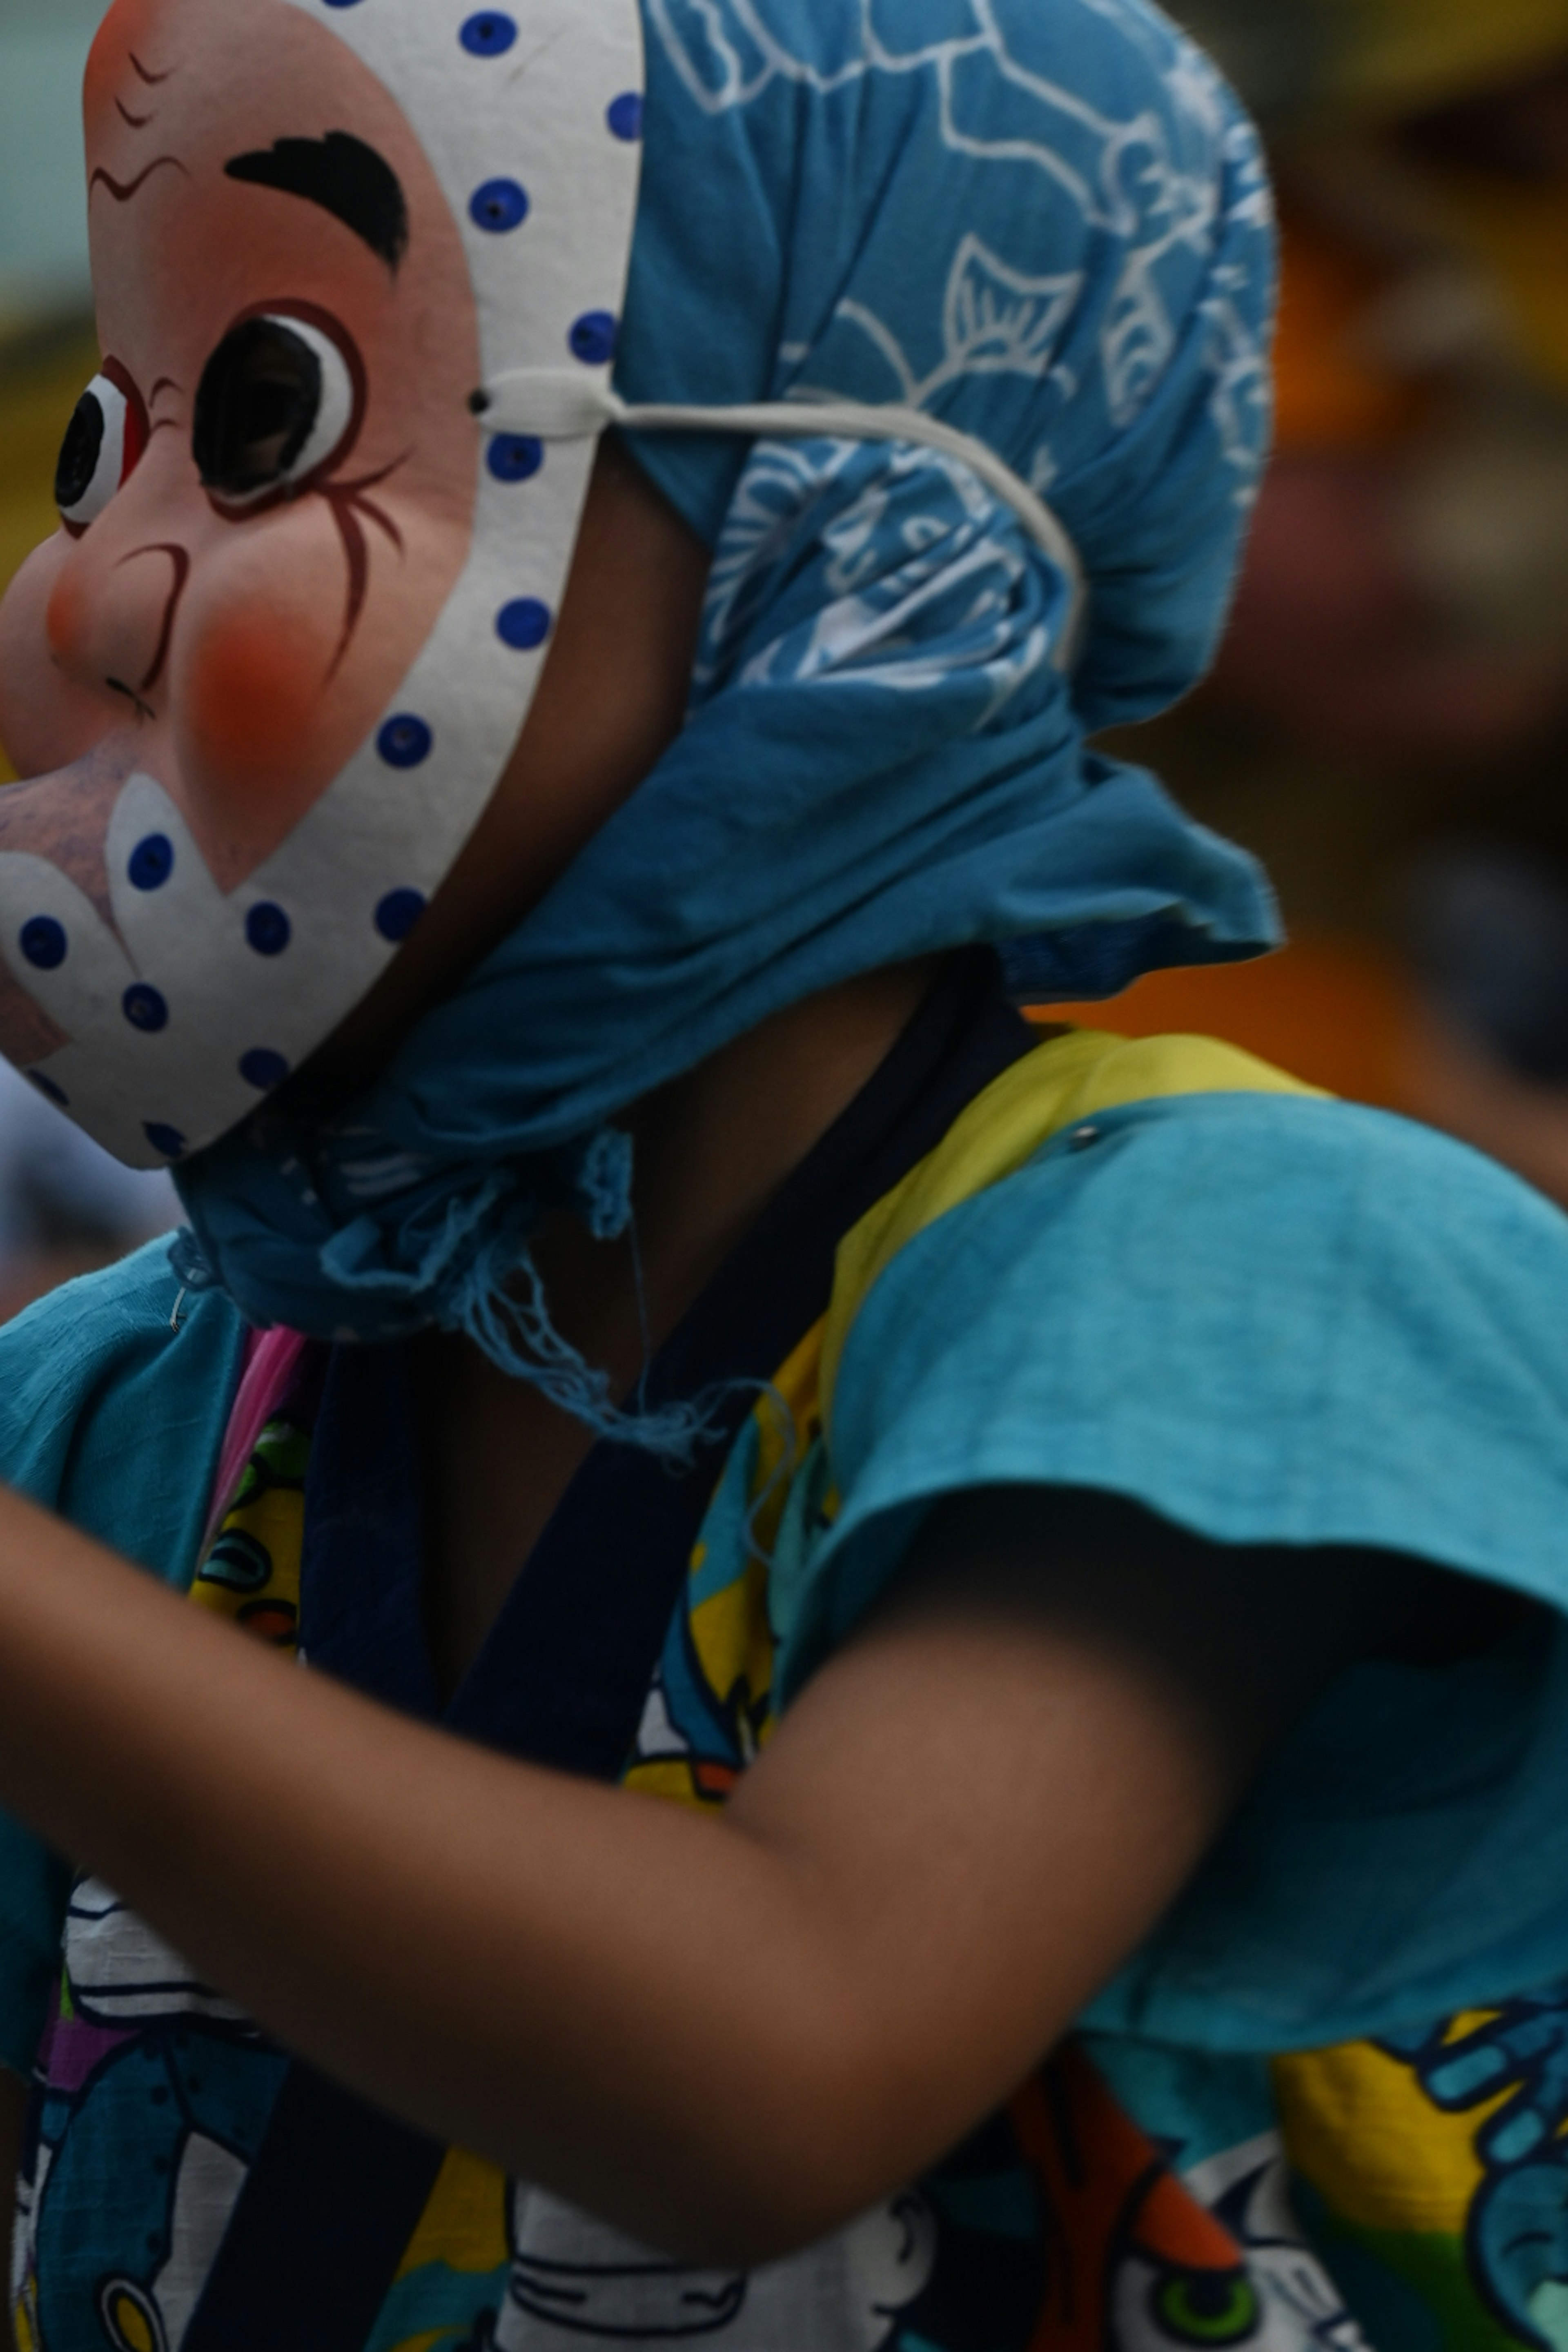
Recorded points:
(786, 2173)
(730, 2234)
(727, 2231)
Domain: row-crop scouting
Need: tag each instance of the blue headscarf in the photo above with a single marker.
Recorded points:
(1046, 222)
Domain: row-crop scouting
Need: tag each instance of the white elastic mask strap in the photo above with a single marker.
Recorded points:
(557, 405)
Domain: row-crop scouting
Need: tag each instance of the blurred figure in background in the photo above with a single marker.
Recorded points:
(65, 1207)
(1389, 723)
(1407, 593)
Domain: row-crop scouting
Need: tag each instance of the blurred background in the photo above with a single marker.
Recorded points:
(1388, 726)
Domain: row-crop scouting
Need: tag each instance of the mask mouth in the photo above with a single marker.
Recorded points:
(280, 400)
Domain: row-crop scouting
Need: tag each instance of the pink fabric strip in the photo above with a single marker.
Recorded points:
(270, 1357)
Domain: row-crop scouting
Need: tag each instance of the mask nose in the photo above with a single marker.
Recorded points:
(111, 615)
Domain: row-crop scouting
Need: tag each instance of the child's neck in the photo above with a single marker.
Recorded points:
(712, 1150)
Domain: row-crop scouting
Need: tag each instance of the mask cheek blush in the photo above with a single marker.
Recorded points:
(247, 705)
(65, 616)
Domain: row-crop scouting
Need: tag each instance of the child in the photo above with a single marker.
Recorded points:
(844, 1545)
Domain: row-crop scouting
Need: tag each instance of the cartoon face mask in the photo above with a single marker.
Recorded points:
(360, 266)
(266, 676)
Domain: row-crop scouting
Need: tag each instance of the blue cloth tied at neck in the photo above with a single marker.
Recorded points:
(1048, 226)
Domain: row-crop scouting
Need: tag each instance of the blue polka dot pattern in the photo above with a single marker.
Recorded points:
(168, 1139)
(43, 943)
(404, 742)
(489, 35)
(263, 1070)
(498, 206)
(524, 624)
(593, 339)
(397, 914)
(151, 862)
(146, 1009)
(47, 1086)
(624, 115)
(515, 457)
(268, 929)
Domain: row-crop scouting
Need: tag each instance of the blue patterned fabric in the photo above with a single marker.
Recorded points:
(1048, 226)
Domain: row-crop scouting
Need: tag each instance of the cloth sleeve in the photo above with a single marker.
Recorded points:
(1272, 1321)
(111, 1417)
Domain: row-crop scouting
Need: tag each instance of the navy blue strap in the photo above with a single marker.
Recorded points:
(338, 2188)
(564, 1673)
(323, 2222)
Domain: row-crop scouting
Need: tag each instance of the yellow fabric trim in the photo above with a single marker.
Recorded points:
(1067, 1080)
(1359, 2126)
(465, 2223)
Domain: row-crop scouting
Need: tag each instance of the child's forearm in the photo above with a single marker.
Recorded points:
(565, 1978)
(726, 2035)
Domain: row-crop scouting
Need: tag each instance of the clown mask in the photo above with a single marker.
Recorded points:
(264, 680)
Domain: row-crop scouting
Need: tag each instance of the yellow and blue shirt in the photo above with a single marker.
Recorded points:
(1326, 2105)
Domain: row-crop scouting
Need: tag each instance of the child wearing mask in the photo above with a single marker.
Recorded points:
(934, 1690)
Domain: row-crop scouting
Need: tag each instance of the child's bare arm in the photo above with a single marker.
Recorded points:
(727, 2034)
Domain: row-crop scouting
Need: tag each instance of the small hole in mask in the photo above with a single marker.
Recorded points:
(146, 1009)
(43, 943)
(151, 862)
(276, 399)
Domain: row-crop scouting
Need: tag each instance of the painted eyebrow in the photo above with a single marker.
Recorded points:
(123, 189)
(342, 175)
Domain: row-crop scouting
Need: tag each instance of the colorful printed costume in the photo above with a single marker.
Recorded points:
(990, 1233)
(1159, 1271)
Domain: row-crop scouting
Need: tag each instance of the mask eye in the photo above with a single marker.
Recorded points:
(279, 399)
(104, 441)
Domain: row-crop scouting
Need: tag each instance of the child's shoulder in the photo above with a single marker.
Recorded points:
(1268, 1317)
(112, 1410)
(1177, 1155)
(122, 1322)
